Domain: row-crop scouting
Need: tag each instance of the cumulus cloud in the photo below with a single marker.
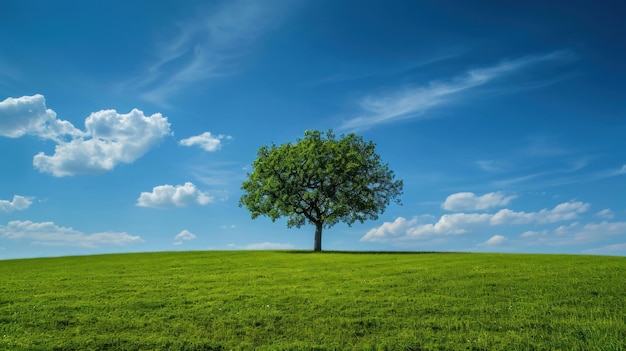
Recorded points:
(110, 137)
(206, 141)
(562, 212)
(47, 233)
(467, 201)
(18, 203)
(184, 235)
(173, 196)
(574, 234)
(414, 102)
(29, 115)
(461, 223)
(113, 138)
(398, 227)
(495, 240)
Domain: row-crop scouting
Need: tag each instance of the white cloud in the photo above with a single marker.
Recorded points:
(387, 230)
(29, 115)
(47, 233)
(113, 138)
(18, 203)
(606, 213)
(575, 234)
(269, 246)
(173, 196)
(460, 223)
(591, 231)
(467, 201)
(495, 240)
(184, 235)
(110, 138)
(403, 230)
(410, 103)
(562, 212)
(206, 141)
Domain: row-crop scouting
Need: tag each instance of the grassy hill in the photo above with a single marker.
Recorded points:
(242, 300)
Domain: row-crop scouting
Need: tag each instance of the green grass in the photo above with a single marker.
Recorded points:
(243, 300)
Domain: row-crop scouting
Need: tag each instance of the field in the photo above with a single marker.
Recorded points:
(243, 300)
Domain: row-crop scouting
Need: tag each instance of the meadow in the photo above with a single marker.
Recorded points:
(244, 300)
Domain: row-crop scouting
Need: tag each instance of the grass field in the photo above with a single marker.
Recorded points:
(243, 300)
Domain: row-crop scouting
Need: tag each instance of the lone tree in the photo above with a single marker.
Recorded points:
(320, 180)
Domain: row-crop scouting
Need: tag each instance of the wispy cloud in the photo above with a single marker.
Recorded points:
(208, 46)
(614, 172)
(559, 176)
(538, 162)
(414, 102)
(350, 73)
(8, 73)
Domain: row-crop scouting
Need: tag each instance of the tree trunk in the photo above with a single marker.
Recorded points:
(318, 237)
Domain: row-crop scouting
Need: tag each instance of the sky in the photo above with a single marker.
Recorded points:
(129, 126)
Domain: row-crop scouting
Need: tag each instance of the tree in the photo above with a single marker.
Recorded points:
(320, 180)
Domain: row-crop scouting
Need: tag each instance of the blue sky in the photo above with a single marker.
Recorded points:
(129, 126)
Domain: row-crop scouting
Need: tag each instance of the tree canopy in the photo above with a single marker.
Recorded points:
(320, 180)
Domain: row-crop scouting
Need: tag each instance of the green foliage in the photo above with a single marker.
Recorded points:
(242, 300)
(320, 180)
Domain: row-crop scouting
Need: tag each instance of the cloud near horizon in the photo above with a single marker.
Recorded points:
(403, 230)
(110, 138)
(49, 234)
(613, 249)
(164, 196)
(414, 102)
